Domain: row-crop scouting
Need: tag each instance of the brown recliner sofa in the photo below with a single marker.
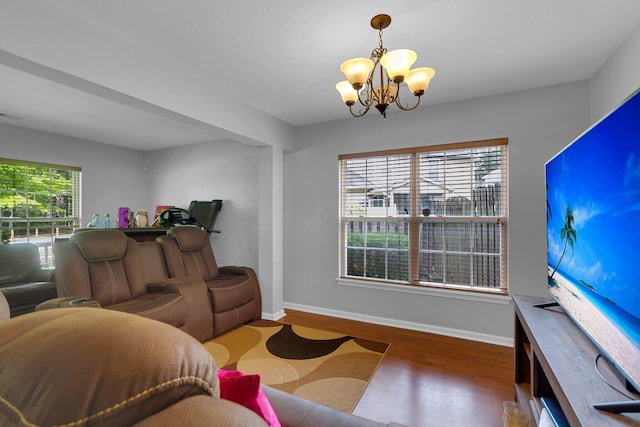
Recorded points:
(104, 268)
(174, 279)
(64, 367)
(23, 281)
(234, 291)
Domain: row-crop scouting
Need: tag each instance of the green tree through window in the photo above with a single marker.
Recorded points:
(38, 202)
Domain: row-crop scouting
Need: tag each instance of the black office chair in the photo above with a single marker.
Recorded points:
(201, 214)
(206, 213)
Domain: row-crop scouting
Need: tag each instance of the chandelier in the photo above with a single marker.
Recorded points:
(376, 80)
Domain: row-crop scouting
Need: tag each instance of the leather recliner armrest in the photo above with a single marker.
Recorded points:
(232, 269)
(181, 286)
(196, 296)
(204, 411)
(45, 274)
(293, 411)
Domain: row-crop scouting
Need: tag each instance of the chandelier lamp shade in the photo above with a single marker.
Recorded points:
(376, 80)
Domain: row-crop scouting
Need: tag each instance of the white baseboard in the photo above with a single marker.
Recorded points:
(450, 332)
(274, 316)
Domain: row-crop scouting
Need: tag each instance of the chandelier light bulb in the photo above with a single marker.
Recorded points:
(357, 71)
(348, 93)
(418, 80)
(397, 63)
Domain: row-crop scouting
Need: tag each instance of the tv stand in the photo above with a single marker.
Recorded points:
(554, 359)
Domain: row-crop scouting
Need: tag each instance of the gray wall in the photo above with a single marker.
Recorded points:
(222, 170)
(617, 79)
(538, 123)
(111, 176)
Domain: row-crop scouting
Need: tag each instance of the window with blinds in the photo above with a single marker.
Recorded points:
(426, 216)
(38, 202)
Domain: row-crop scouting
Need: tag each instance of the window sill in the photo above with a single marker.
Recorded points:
(493, 298)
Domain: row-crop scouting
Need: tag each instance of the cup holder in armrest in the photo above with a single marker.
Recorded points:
(63, 302)
(80, 301)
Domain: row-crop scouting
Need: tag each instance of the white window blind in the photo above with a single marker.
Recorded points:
(38, 202)
(426, 216)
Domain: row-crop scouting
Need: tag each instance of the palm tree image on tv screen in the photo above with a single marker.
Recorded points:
(568, 235)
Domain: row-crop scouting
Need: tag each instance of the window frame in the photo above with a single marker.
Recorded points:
(41, 230)
(414, 220)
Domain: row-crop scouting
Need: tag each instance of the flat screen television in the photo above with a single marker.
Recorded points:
(593, 236)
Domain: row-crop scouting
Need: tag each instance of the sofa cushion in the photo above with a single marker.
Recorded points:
(17, 262)
(153, 262)
(164, 307)
(89, 365)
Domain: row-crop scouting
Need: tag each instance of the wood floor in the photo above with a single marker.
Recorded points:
(426, 379)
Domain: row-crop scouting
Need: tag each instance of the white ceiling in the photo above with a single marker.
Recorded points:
(146, 73)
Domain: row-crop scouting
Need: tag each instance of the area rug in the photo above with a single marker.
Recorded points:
(321, 366)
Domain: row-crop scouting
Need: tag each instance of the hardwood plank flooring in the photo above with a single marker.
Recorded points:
(426, 379)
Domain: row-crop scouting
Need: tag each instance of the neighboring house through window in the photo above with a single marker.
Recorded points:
(432, 216)
(38, 202)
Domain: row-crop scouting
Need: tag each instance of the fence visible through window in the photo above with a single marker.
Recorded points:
(429, 216)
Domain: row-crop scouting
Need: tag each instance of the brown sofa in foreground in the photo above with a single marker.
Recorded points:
(23, 281)
(94, 367)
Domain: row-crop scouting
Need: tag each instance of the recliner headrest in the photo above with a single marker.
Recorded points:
(101, 245)
(17, 262)
(189, 238)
